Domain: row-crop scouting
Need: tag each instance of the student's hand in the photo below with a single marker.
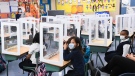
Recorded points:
(130, 56)
(65, 46)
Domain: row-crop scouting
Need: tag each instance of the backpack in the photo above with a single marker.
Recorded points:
(2, 64)
(87, 54)
(41, 70)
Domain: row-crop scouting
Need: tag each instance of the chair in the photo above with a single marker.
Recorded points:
(33, 68)
(87, 67)
(128, 74)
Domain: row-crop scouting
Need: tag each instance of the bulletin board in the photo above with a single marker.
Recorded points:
(31, 8)
(85, 6)
(4, 11)
(9, 8)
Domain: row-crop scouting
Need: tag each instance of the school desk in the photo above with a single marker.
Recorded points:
(23, 52)
(56, 68)
(99, 48)
(25, 37)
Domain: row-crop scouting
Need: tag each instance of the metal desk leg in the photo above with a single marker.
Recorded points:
(100, 59)
(22, 61)
(7, 68)
(91, 55)
(96, 58)
(64, 72)
(115, 43)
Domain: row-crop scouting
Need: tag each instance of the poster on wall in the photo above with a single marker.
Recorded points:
(31, 8)
(44, 1)
(84, 6)
(125, 3)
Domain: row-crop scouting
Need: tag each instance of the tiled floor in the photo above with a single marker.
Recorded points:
(14, 70)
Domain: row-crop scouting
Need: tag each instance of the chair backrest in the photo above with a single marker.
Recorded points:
(37, 55)
(128, 74)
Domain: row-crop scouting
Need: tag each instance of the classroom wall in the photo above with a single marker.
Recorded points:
(123, 9)
(53, 4)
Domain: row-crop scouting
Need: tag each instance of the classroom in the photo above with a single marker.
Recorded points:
(67, 38)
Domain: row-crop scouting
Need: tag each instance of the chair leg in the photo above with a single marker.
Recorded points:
(7, 68)
(115, 44)
(22, 61)
(50, 74)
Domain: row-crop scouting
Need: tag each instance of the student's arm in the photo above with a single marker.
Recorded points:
(125, 50)
(131, 56)
(32, 49)
(67, 55)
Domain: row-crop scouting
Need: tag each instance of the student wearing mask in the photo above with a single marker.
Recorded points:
(119, 65)
(121, 48)
(101, 29)
(30, 60)
(73, 51)
(72, 30)
(20, 13)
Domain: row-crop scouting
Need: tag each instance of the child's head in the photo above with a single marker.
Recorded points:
(19, 10)
(74, 43)
(36, 38)
(99, 22)
(124, 34)
(72, 26)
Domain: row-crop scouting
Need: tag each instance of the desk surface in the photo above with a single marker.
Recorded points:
(50, 31)
(84, 33)
(6, 35)
(23, 49)
(56, 58)
(100, 42)
(26, 37)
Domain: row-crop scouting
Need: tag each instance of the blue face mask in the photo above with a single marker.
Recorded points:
(71, 46)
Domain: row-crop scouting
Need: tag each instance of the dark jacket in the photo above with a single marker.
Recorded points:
(119, 51)
(18, 16)
(77, 60)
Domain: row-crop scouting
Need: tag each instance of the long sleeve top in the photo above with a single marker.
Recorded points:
(77, 60)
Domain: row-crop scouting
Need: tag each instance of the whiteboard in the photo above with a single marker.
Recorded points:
(13, 3)
(4, 7)
(14, 8)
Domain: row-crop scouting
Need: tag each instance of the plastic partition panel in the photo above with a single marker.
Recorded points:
(54, 53)
(43, 18)
(100, 31)
(12, 45)
(72, 28)
(26, 27)
(123, 22)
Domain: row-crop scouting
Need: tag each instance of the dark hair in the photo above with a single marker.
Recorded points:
(77, 40)
(72, 26)
(99, 22)
(126, 31)
(36, 38)
(72, 31)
